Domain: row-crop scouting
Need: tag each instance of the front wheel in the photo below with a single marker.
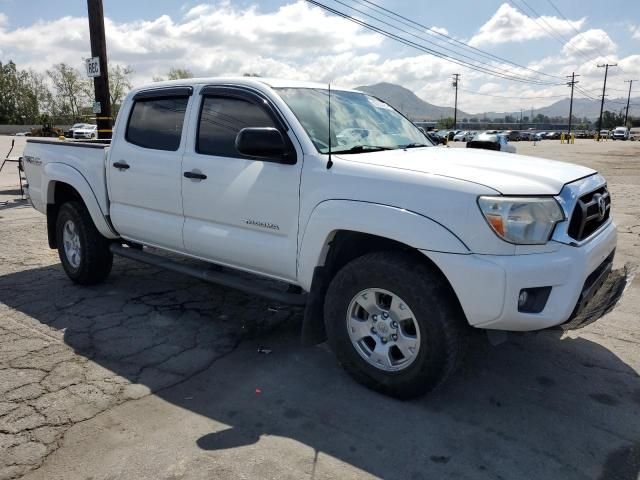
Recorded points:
(393, 324)
(83, 251)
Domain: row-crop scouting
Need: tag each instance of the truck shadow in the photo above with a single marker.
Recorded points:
(538, 406)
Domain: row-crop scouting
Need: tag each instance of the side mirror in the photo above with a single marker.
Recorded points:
(263, 142)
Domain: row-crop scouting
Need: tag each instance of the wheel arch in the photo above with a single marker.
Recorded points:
(65, 183)
(393, 224)
(322, 257)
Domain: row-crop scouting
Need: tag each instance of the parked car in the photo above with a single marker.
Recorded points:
(634, 134)
(553, 135)
(620, 133)
(88, 131)
(395, 248)
(582, 134)
(492, 141)
(512, 135)
(75, 126)
(605, 133)
(526, 136)
(463, 136)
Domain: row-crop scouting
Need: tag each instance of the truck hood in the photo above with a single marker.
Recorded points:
(507, 173)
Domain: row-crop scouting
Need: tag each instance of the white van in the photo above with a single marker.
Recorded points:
(621, 133)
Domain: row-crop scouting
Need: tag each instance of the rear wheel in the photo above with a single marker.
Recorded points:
(393, 324)
(83, 251)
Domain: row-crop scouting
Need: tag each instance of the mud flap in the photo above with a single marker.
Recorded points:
(604, 300)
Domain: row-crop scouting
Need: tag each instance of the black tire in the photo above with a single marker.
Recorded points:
(441, 321)
(95, 257)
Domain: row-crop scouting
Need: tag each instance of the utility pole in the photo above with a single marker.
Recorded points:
(101, 82)
(572, 83)
(456, 77)
(626, 114)
(604, 88)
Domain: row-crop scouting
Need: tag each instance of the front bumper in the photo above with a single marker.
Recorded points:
(488, 286)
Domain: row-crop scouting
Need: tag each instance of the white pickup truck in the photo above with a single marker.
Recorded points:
(394, 246)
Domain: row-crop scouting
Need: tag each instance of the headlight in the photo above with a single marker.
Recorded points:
(522, 220)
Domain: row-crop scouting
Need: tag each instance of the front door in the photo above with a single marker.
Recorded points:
(145, 169)
(240, 211)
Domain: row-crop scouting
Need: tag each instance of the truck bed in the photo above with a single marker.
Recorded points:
(43, 158)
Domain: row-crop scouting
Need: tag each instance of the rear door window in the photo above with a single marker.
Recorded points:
(156, 123)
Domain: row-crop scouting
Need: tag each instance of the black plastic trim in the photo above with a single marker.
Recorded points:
(537, 300)
(227, 279)
(164, 92)
(73, 143)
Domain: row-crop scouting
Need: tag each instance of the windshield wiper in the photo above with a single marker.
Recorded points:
(363, 148)
(415, 145)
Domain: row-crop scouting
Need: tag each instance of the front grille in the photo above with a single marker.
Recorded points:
(591, 211)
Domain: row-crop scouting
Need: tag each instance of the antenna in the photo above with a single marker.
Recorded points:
(330, 162)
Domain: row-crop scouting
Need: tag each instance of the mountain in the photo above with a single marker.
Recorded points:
(584, 107)
(415, 108)
(408, 102)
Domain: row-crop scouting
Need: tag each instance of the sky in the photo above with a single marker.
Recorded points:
(548, 39)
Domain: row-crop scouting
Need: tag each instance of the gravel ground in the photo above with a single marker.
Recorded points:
(156, 375)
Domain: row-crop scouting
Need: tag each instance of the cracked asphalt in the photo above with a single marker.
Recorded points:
(156, 375)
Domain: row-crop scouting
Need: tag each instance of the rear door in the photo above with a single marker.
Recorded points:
(245, 212)
(145, 168)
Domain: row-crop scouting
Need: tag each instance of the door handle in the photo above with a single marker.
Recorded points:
(121, 165)
(195, 175)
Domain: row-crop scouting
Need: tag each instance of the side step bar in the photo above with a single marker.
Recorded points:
(220, 278)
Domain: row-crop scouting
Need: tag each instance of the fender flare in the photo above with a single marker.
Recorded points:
(394, 223)
(59, 172)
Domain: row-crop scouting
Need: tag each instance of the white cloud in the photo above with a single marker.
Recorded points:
(298, 41)
(441, 30)
(635, 31)
(209, 40)
(510, 25)
(592, 43)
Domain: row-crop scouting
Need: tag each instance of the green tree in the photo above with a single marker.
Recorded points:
(445, 122)
(175, 74)
(119, 86)
(23, 94)
(72, 91)
(611, 119)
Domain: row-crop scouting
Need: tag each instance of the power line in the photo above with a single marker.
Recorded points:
(429, 41)
(423, 48)
(507, 96)
(551, 31)
(569, 22)
(451, 40)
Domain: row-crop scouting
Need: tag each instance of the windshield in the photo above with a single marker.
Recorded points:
(359, 122)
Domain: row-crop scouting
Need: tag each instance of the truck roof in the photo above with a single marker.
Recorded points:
(246, 81)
